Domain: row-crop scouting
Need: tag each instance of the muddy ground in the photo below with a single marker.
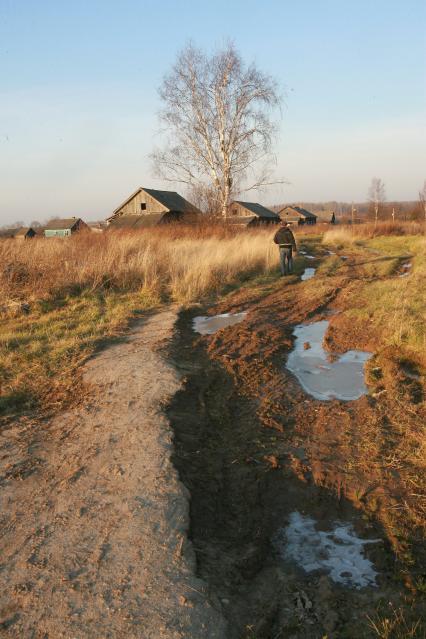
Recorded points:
(96, 517)
(252, 447)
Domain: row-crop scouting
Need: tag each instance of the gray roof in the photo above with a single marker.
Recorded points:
(59, 225)
(170, 199)
(258, 209)
(21, 230)
(136, 221)
(299, 210)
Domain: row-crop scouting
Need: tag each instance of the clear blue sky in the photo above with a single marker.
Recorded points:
(78, 95)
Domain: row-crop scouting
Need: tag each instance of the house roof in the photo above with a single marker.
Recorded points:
(136, 221)
(257, 209)
(21, 230)
(170, 199)
(299, 211)
(59, 225)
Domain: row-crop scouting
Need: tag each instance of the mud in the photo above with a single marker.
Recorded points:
(245, 482)
(254, 448)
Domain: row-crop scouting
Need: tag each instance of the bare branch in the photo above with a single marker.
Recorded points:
(217, 112)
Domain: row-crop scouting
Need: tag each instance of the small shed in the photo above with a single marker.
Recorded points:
(150, 207)
(20, 233)
(297, 215)
(64, 227)
(250, 214)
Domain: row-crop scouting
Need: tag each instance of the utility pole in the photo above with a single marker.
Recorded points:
(353, 214)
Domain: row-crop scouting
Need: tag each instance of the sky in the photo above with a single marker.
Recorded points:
(79, 95)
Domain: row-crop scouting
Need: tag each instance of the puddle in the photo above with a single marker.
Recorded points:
(338, 552)
(406, 267)
(307, 274)
(310, 257)
(344, 257)
(326, 375)
(207, 325)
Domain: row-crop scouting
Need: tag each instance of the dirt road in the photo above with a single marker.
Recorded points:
(94, 519)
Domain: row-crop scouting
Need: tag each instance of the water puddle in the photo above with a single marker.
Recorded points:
(406, 267)
(326, 375)
(307, 274)
(206, 325)
(339, 552)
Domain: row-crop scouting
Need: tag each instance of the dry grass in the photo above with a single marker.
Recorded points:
(347, 234)
(62, 297)
(166, 264)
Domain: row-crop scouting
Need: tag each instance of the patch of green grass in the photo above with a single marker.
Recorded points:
(40, 351)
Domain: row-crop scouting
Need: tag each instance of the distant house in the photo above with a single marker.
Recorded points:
(250, 214)
(150, 207)
(20, 233)
(64, 228)
(297, 215)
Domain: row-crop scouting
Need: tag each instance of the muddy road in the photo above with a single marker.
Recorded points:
(199, 491)
(299, 524)
(93, 517)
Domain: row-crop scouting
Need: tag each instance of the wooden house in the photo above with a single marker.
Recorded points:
(65, 227)
(250, 214)
(150, 207)
(20, 233)
(297, 215)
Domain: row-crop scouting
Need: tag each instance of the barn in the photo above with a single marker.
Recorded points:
(297, 215)
(64, 227)
(150, 207)
(20, 233)
(250, 214)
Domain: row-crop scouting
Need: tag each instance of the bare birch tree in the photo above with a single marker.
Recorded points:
(217, 113)
(377, 196)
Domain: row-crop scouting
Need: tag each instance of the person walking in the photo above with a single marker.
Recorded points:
(285, 239)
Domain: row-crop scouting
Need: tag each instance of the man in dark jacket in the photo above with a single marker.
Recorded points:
(285, 239)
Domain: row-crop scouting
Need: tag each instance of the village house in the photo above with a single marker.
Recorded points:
(250, 214)
(20, 233)
(297, 215)
(65, 227)
(150, 207)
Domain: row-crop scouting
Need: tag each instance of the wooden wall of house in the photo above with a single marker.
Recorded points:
(237, 210)
(134, 206)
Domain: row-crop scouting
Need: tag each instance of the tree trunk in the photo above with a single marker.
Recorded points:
(225, 202)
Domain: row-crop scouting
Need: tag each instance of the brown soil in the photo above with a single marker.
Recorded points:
(252, 448)
(94, 519)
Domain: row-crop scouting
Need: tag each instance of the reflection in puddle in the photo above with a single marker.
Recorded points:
(308, 273)
(342, 378)
(338, 552)
(407, 266)
(209, 325)
(310, 257)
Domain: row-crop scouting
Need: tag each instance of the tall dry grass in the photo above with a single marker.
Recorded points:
(174, 264)
(349, 233)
